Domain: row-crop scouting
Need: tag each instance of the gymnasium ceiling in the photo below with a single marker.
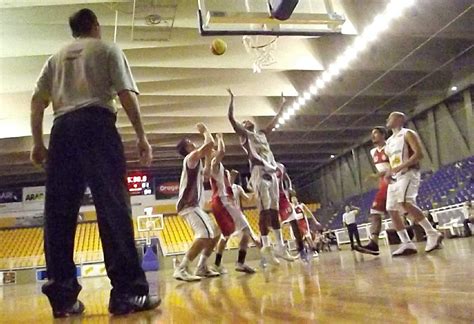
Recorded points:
(412, 66)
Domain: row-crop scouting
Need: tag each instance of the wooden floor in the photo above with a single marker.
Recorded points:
(339, 287)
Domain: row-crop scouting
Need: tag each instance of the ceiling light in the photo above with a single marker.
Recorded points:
(360, 44)
(334, 70)
(381, 22)
(332, 156)
(341, 63)
(326, 77)
(396, 7)
(394, 10)
(320, 84)
(454, 88)
(349, 55)
(370, 34)
(277, 126)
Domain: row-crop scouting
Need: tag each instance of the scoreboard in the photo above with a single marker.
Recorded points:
(139, 184)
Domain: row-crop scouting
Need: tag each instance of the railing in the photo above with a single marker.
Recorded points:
(447, 214)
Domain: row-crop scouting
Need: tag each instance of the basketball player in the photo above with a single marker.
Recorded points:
(228, 216)
(237, 191)
(189, 206)
(239, 194)
(286, 210)
(82, 81)
(378, 209)
(403, 149)
(307, 223)
(263, 180)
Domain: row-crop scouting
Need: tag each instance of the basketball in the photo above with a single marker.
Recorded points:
(218, 46)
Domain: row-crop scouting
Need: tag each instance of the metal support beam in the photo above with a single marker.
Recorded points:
(356, 157)
(341, 181)
(453, 126)
(469, 119)
(434, 144)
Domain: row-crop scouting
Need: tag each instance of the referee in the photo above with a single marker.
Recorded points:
(81, 81)
(349, 220)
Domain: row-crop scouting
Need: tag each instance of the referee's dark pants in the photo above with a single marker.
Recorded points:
(352, 229)
(85, 148)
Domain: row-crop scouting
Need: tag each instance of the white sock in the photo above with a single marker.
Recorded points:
(202, 260)
(279, 237)
(403, 235)
(427, 227)
(184, 263)
(265, 241)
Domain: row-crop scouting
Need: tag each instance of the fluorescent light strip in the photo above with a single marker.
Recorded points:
(380, 24)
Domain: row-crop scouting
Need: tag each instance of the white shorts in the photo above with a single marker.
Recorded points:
(237, 215)
(200, 222)
(265, 185)
(404, 189)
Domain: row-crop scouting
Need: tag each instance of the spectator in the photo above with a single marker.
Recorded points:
(469, 218)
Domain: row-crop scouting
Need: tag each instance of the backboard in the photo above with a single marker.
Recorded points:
(150, 223)
(252, 17)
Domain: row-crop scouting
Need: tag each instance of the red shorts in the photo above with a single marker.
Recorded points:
(222, 216)
(303, 226)
(285, 207)
(380, 201)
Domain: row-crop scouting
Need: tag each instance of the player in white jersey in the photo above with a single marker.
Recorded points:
(403, 149)
(189, 206)
(237, 191)
(378, 210)
(263, 179)
(228, 216)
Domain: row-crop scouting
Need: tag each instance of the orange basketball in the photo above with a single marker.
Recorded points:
(218, 46)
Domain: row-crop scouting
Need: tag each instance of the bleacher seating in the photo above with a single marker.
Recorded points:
(451, 184)
(23, 247)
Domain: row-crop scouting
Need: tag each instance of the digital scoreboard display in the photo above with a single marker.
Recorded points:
(139, 184)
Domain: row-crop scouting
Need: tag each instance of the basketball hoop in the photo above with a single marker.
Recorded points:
(262, 48)
(150, 225)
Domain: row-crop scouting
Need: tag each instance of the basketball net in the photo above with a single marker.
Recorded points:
(262, 48)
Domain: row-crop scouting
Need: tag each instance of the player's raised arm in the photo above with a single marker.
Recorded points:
(220, 148)
(274, 121)
(206, 148)
(215, 162)
(239, 129)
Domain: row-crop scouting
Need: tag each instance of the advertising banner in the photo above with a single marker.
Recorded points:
(167, 190)
(33, 198)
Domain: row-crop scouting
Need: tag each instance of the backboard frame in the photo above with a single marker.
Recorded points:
(270, 26)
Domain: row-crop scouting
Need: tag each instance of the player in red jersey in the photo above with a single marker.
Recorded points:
(287, 212)
(378, 210)
(228, 216)
(307, 223)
